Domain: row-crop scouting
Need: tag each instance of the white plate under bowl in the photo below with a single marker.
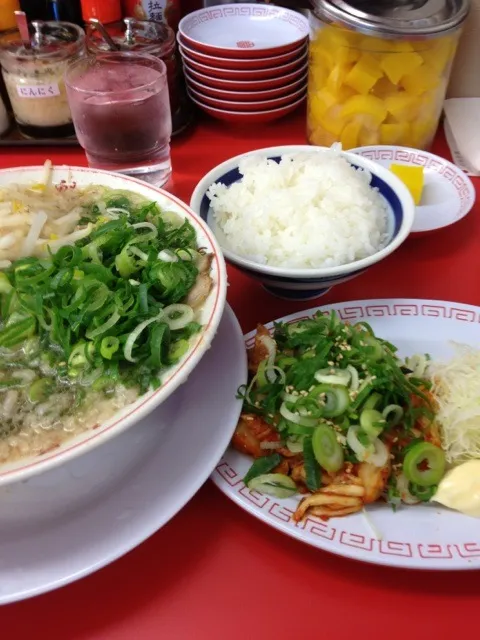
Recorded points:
(209, 316)
(448, 193)
(417, 537)
(67, 523)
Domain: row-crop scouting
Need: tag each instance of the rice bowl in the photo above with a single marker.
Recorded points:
(309, 282)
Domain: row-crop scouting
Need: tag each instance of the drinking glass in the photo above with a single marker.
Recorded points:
(121, 113)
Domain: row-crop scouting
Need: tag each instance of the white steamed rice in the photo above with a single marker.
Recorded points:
(310, 210)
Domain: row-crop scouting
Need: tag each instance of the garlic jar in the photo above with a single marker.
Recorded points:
(378, 71)
(34, 77)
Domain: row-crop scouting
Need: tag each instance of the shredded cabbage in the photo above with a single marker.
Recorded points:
(456, 385)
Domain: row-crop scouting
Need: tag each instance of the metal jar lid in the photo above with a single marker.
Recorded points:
(395, 18)
(50, 41)
(146, 36)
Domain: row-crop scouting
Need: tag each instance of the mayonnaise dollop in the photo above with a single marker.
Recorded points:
(460, 489)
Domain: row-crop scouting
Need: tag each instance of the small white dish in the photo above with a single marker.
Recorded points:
(244, 30)
(67, 523)
(448, 193)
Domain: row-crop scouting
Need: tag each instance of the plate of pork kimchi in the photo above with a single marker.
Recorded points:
(360, 431)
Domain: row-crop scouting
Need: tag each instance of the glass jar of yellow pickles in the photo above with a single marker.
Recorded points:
(378, 70)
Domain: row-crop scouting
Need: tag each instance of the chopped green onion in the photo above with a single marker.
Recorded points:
(372, 422)
(327, 450)
(109, 346)
(273, 484)
(311, 466)
(424, 464)
(103, 328)
(261, 466)
(296, 418)
(5, 286)
(397, 414)
(372, 401)
(333, 376)
(360, 450)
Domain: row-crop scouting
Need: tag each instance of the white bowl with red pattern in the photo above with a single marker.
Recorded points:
(235, 84)
(248, 117)
(241, 63)
(209, 316)
(244, 30)
(257, 105)
(245, 74)
(246, 96)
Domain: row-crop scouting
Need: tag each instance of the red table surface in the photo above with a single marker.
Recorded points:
(215, 572)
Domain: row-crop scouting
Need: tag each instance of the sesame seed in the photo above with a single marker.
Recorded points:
(330, 363)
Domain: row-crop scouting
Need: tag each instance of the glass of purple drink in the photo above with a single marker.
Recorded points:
(121, 113)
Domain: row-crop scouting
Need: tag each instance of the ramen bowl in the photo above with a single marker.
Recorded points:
(208, 315)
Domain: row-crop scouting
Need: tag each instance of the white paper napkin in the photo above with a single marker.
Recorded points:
(462, 131)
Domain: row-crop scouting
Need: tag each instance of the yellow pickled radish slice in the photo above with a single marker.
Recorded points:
(412, 177)
(333, 122)
(368, 137)
(396, 65)
(424, 78)
(317, 77)
(364, 74)
(394, 133)
(423, 132)
(347, 55)
(384, 88)
(366, 109)
(337, 77)
(440, 53)
(322, 138)
(320, 102)
(321, 57)
(403, 106)
(334, 37)
(349, 135)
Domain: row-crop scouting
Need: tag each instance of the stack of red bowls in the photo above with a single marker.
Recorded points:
(245, 63)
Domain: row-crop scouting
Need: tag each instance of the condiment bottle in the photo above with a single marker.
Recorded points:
(159, 10)
(7, 15)
(104, 10)
(34, 74)
(4, 119)
(378, 71)
(155, 38)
